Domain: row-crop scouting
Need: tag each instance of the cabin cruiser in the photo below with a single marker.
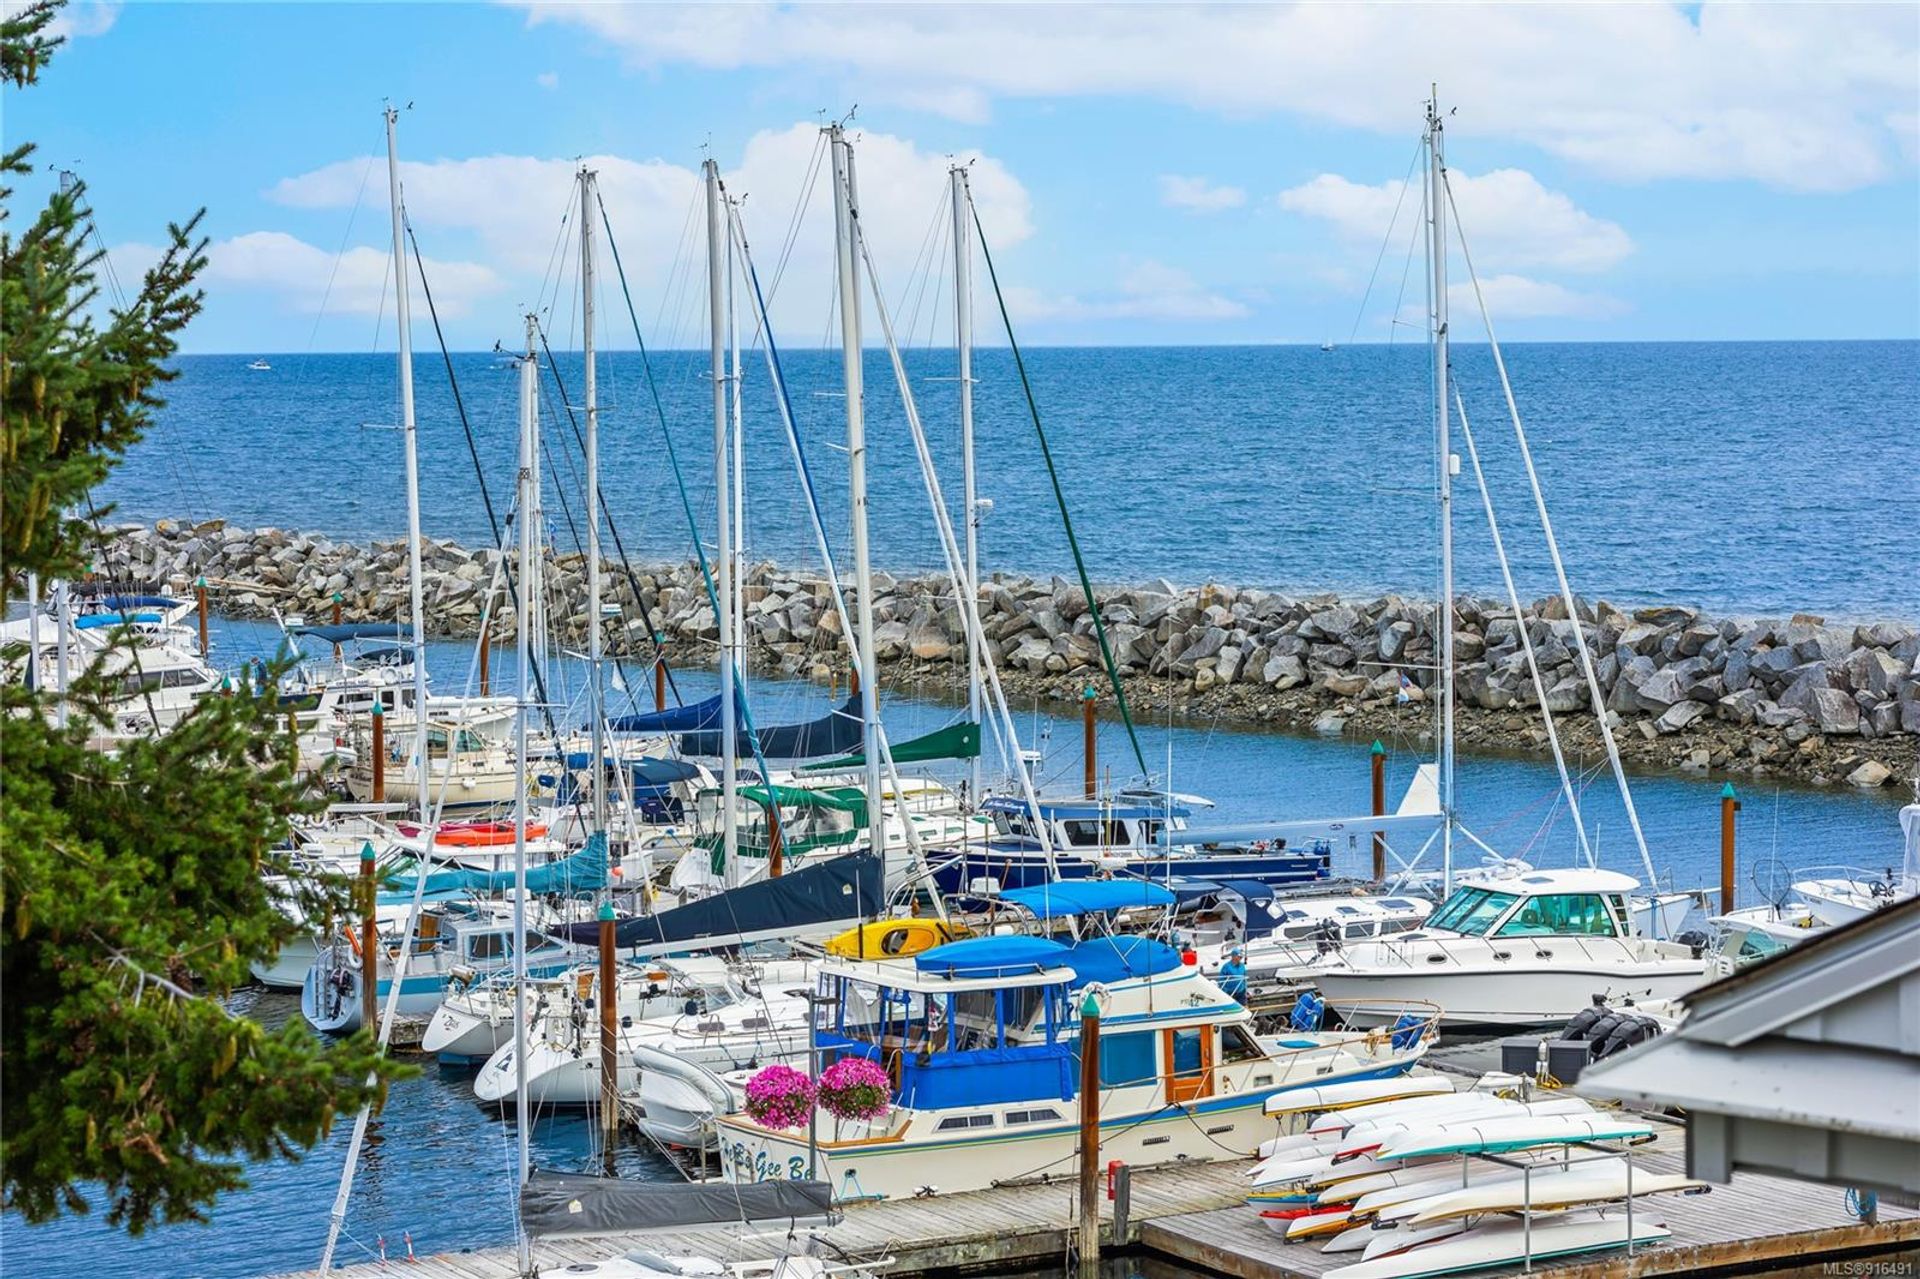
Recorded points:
(154, 674)
(1754, 933)
(1528, 951)
(1281, 959)
(979, 1040)
(470, 768)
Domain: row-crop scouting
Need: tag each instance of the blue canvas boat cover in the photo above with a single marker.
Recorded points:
(1066, 899)
(349, 631)
(1111, 959)
(675, 719)
(139, 601)
(648, 770)
(838, 890)
(94, 621)
(835, 733)
(992, 957)
(583, 872)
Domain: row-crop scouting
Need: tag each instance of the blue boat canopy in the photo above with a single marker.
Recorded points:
(695, 717)
(1055, 809)
(1111, 959)
(139, 601)
(648, 770)
(1069, 898)
(94, 621)
(835, 733)
(584, 871)
(993, 957)
(346, 632)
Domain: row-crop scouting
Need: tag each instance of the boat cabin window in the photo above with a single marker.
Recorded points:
(464, 740)
(1041, 1116)
(488, 945)
(1012, 824)
(1237, 1045)
(1126, 1060)
(958, 1123)
(1754, 945)
(1559, 914)
(1471, 911)
(1362, 929)
(1082, 832)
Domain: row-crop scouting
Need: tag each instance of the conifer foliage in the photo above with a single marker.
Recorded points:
(132, 890)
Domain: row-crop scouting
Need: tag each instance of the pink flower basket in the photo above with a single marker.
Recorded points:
(855, 1088)
(779, 1097)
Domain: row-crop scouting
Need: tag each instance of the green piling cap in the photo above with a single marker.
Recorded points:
(338, 597)
(377, 710)
(606, 910)
(1378, 749)
(366, 851)
(1089, 1007)
(226, 683)
(1726, 792)
(199, 581)
(659, 637)
(1089, 695)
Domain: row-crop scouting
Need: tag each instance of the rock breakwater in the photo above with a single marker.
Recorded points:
(1794, 697)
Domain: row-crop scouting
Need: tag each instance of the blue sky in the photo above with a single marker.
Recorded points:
(1147, 173)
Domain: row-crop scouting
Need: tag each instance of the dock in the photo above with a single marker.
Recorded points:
(1193, 1213)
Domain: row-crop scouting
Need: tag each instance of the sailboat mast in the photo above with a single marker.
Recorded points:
(415, 573)
(1437, 203)
(722, 493)
(529, 464)
(596, 697)
(844, 213)
(737, 573)
(963, 342)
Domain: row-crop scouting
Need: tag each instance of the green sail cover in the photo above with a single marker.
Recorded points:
(955, 741)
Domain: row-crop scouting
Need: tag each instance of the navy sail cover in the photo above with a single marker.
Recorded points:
(838, 890)
(558, 1205)
(835, 733)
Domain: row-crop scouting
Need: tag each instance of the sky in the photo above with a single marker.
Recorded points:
(1143, 173)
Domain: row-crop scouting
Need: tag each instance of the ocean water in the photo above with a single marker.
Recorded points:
(1756, 478)
(441, 1167)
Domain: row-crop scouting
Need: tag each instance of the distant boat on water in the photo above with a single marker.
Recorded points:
(260, 366)
(1327, 345)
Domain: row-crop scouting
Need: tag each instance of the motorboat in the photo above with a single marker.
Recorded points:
(979, 1040)
(1754, 933)
(1841, 895)
(260, 366)
(1531, 950)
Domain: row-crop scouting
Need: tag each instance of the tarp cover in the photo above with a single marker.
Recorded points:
(647, 770)
(801, 797)
(558, 1204)
(1068, 898)
(843, 889)
(675, 719)
(1006, 956)
(582, 872)
(955, 741)
(347, 631)
(1111, 959)
(834, 733)
(94, 621)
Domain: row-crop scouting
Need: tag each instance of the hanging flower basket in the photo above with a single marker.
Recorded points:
(855, 1088)
(779, 1097)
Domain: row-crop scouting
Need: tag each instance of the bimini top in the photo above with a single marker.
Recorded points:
(1069, 898)
(1010, 956)
(1113, 959)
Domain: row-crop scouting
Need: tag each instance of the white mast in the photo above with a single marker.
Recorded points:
(722, 490)
(62, 634)
(1437, 230)
(529, 455)
(970, 512)
(737, 572)
(844, 213)
(34, 675)
(596, 696)
(404, 338)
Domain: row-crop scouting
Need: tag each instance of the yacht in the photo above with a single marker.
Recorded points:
(979, 1039)
(1531, 950)
(1846, 893)
(260, 366)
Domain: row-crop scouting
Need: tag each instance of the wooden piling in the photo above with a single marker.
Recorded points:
(486, 626)
(609, 1047)
(1729, 805)
(659, 672)
(338, 656)
(1379, 756)
(379, 755)
(1089, 1137)
(776, 847)
(200, 607)
(1088, 746)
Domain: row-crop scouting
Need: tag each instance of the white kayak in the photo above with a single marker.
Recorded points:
(1389, 1243)
(1492, 1136)
(1427, 1108)
(1504, 1243)
(1373, 1137)
(1569, 1188)
(1358, 1092)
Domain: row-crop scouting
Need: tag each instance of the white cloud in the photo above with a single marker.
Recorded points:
(307, 279)
(1197, 195)
(77, 19)
(1793, 95)
(1149, 291)
(1516, 297)
(513, 206)
(548, 79)
(1510, 220)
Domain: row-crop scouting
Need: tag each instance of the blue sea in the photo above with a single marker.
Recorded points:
(1752, 478)
(1755, 478)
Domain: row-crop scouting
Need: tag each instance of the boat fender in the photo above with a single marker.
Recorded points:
(1582, 1021)
(1604, 1026)
(353, 940)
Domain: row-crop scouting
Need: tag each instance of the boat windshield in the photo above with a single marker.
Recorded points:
(1471, 911)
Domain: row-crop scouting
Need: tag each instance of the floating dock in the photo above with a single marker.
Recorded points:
(1193, 1213)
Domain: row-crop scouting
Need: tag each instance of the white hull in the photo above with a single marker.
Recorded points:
(1524, 995)
(1505, 1243)
(288, 969)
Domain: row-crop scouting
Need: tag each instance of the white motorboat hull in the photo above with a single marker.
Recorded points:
(555, 1076)
(1526, 994)
(288, 969)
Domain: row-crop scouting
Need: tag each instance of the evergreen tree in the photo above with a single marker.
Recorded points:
(132, 897)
